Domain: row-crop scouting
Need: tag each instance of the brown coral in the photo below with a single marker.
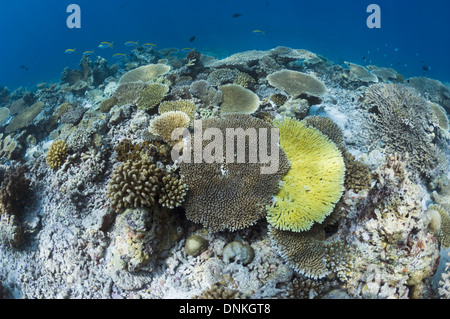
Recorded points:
(152, 95)
(185, 106)
(173, 192)
(357, 175)
(401, 119)
(229, 195)
(165, 124)
(14, 191)
(57, 154)
(134, 184)
(327, 127)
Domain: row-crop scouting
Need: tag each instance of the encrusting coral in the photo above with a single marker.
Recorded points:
(229, 195)
(134, 185)
(57, 154)
(313, 184)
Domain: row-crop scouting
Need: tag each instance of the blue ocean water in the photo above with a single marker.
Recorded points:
(414, 37)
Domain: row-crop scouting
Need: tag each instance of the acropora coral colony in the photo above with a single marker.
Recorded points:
(346, 194)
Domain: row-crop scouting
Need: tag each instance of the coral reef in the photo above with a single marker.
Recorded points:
(117, 217)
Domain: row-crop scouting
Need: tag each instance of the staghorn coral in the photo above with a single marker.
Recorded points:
(172, 192)
(144, 73)
(164, 125)
(296, 83)
(185, 106)
(152, 95)
(134, 184)
(237, 99)
(57, 154)
(444, 233)
(228, 195)
(402, 120)
(339, 259)
(313, 184)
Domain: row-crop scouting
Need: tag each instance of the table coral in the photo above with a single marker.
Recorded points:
(296, 83)
(152, 95)
(227, 195)
(314, 183)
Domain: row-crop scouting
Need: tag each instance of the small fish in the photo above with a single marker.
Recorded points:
(192, 39)
(88, 52)
(187, 49)
(396, 49)
(425, 68)
(70, 51)
(24, 67)
(364, 58)
(105, 45)
(119, 55)
(236, 15)
(131, 43)
(259, 31)
(146, 45)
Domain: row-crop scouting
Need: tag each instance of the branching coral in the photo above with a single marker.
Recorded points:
(134, 184)
(296, 83)
(165, 124)
(402, 119)
(314, 183)
(357, 175)
(237, 99)
(57, 154)
(152, 95)
(173, 192)
(230, 195)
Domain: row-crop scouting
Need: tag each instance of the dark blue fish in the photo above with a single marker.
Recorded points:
(192, 39)
(236, 15)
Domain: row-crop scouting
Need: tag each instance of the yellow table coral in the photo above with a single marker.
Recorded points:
(314, 183)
